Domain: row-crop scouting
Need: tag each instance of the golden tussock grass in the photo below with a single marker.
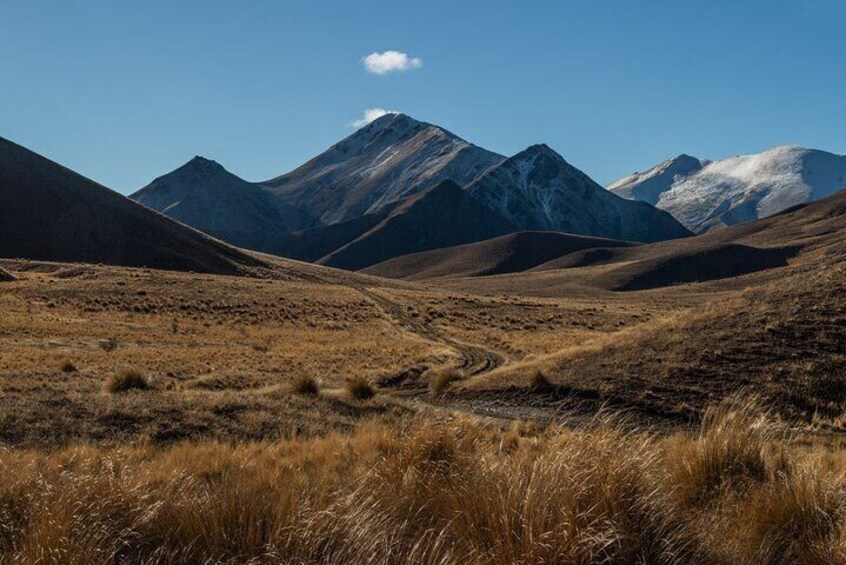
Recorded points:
(305, 385)
(126, 381)
(360, 388)
(440, 380)
(446, 491)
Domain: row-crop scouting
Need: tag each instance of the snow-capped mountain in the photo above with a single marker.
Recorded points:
(649, 185)
(747, 187)
(205, 196)
(538, 190)
(356, 186)
(391, 158)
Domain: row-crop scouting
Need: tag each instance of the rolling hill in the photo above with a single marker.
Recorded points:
(805, 234)
(510, 253)
(48, 212)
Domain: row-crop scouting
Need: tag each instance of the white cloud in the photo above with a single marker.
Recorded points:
(389, 62)
(370, 115)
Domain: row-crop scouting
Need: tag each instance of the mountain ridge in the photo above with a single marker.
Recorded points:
(538, 190)
(389, 159)
(204, 195)
(49, 212)
(746, 187)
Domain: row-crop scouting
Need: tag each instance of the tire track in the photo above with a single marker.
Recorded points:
(475, 358)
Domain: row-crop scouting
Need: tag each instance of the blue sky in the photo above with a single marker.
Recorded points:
(125, 91)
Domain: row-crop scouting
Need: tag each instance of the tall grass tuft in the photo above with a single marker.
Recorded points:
(360, 388)
(127, 380)
(305, 385)
(437, 491)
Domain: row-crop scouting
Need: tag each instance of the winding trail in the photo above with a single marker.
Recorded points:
(476, 359)
(563, 406)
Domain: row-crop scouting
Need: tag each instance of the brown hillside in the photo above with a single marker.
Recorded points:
(506, 254)
(439, 217)
(48, 212)
(798, 236)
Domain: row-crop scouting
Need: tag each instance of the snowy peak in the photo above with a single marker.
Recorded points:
(200, 162)
(539, 149)
(385, 130)
(538, 190)
(649, 185)
(746, 187)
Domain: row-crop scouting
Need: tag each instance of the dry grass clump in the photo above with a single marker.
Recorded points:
(441, 380)
(540, 382)
(735, 448)
(108, 345)
(305, 385)
(436, 492)
(360, 388)
(126, 381)
(67, 366)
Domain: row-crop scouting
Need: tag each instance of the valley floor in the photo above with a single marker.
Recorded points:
(221, 353)
(488, 438)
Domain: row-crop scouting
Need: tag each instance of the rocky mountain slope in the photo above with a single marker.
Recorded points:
(442, 216)
(742, 188)
(387, 160)
(538, 190)
(204, 195)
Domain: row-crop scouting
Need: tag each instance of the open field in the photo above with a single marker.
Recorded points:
(221, 353)
(438, 490)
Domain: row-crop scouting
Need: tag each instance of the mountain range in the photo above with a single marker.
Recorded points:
(707, 195)
(392, 191)
(366, 196)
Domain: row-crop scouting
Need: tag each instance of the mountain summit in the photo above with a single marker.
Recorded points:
(649, 185)
(204, 195)
(538, 190)
(744, 187)
(389, 159)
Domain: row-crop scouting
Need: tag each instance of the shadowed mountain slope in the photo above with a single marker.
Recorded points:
(538, 190)
(205, 196)
(48, 212)
(506, 254)
(440, 217)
